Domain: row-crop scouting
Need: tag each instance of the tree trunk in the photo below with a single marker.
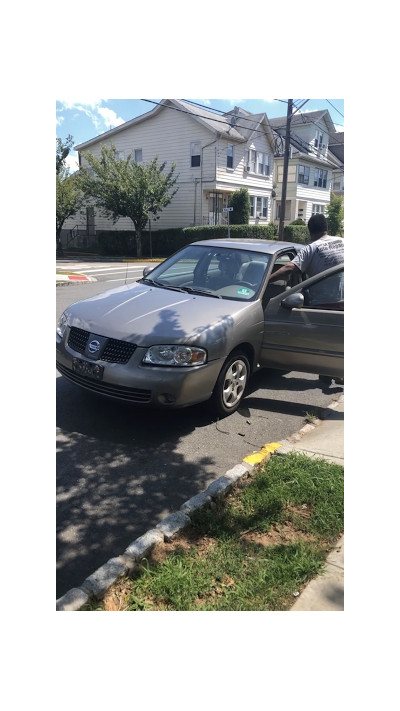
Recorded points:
(138, 241)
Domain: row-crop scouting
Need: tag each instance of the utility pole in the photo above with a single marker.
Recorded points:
(285, 168)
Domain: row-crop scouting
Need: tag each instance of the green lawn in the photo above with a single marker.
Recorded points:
(260, 544)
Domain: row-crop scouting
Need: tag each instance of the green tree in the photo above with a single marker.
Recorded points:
(69, 199)
(124, 188)
(62, 151)
(334, 215)
(240, 201)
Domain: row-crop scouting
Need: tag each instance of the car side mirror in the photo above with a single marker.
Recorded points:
(294, 301)
(147, 270)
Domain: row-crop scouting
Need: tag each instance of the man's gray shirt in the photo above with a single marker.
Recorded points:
(325, 252)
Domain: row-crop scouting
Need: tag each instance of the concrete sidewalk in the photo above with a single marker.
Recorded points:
(323, 439)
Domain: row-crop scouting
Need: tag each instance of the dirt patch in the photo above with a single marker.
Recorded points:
(279, 534)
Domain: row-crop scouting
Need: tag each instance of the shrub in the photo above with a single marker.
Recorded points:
(296, 233)
(240, 201)
(299, 221)
(334, 215)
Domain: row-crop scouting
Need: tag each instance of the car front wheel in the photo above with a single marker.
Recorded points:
(231, 384)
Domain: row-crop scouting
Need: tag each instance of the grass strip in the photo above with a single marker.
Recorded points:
(257, 547)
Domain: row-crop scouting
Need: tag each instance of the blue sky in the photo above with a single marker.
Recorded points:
(89, 118)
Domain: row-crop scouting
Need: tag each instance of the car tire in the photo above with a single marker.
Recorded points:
(231, 384)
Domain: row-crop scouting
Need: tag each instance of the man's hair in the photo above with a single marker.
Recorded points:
(317, 224)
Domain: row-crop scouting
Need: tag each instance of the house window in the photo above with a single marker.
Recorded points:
(229, 156)
(195, 151)
(259, 208)
(265, 207)
(262, 163)
(119, 155)
(320, 178)
(251, 160)
(318, 209)
(304, 174)
(138, 155)
(251, 205)
(318, 139)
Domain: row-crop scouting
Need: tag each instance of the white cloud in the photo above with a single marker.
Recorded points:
(100, 116)
(110, 117)
(59, 120)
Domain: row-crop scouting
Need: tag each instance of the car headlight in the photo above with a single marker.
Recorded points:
(62, 325)
(175, 355)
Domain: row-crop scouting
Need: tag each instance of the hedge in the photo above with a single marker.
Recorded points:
(168, 241)
(236, 231)
(123, 243)
(296, 233)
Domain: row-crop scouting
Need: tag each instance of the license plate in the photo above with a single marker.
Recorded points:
(84, 367)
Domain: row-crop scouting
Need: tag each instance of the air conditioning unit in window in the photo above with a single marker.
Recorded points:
(247, 168)
(259, 214)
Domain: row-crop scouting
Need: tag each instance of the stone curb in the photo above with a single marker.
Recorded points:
(97, 584)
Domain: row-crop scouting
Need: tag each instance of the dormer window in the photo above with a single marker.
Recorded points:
(318, 139)
(262, 163)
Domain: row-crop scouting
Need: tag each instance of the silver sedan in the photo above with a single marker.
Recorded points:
(195, 327)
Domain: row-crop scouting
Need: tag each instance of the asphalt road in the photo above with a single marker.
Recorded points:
(121, 469)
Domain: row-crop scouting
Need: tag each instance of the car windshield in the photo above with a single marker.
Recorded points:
(221, 272)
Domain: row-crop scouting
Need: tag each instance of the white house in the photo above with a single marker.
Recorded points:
(336, 155)
(311, 166)
(214, 155)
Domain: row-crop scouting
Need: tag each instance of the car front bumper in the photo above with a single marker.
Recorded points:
(148, 385)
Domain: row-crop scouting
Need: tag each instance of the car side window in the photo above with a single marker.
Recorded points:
(327, 293)
(279, 286)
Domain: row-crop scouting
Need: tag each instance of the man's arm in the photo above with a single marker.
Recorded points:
(283, 272)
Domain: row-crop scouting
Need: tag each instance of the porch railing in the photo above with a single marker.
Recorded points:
(215, 220)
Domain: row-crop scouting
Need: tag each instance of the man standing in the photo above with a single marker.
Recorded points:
(322, 252)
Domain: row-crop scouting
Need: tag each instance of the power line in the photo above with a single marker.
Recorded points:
(334, 107)
(242, 118)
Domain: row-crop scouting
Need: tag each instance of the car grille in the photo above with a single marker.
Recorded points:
(114, 352)
(116, 391)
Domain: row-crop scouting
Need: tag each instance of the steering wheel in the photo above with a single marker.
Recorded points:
(246, 283)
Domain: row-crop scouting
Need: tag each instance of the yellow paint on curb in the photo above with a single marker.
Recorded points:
(264, 451)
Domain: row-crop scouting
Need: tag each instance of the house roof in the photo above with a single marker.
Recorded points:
(237, 125)
(336, 145)
(300, 118)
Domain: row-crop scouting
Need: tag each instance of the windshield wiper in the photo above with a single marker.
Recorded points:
(162, 286)
(194, 290)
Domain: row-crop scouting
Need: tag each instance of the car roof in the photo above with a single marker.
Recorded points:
(256, 245)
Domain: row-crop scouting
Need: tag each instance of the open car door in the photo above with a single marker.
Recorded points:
(304, 326)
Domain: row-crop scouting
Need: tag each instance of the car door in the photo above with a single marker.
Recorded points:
(304, 326)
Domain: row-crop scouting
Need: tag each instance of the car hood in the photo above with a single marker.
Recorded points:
(147, 315)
